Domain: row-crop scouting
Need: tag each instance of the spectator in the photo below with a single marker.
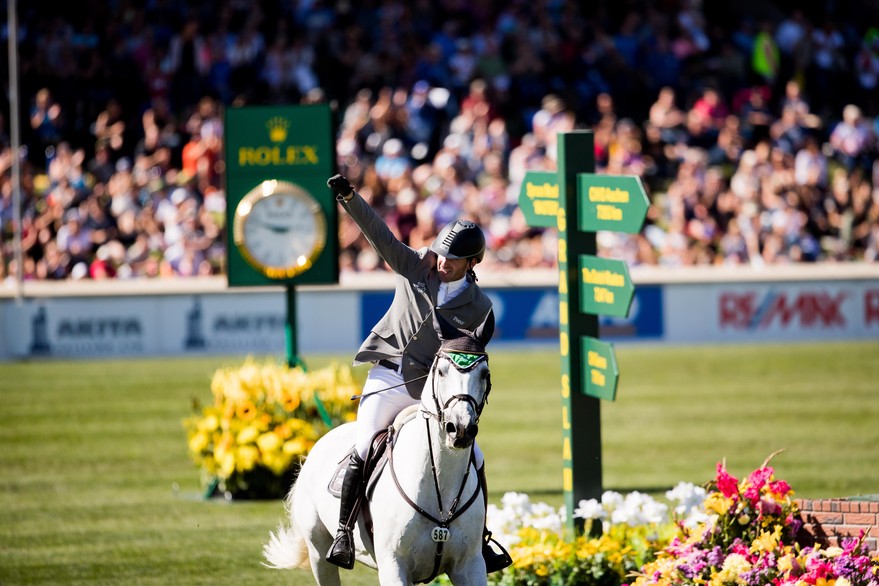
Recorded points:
(853, 140)
(148, 121)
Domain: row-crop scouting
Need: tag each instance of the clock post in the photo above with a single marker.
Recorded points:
(281, 221)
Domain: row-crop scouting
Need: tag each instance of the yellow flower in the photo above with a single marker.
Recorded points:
(247, 435)
(209, 423)
(785, 564)
(245, 411)
(268, 442)
(275, 462)
(294, 446)
(290, 402)
(198, 442)
(767, 541)
(248, 456)
(717, 503)
(226, 460)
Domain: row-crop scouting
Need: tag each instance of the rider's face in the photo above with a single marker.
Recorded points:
(452, 269)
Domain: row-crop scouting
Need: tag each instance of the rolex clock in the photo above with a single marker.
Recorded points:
(280, 229)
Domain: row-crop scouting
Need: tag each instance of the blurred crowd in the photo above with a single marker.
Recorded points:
(753, 127)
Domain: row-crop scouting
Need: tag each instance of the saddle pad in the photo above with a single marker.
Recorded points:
(375, 458)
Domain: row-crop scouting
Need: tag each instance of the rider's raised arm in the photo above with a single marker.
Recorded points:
(401, 258)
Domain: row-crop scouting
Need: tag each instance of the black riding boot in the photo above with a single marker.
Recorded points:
(342, 551)
(494, 562)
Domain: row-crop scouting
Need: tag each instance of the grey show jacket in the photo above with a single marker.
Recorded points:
(407, 330)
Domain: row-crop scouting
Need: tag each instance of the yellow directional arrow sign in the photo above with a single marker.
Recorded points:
(539, 198)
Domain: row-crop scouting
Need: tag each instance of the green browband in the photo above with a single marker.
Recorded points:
(465, 360)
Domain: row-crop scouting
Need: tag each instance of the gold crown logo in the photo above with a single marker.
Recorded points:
(278, 129)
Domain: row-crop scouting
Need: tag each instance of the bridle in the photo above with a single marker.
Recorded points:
(463, 362)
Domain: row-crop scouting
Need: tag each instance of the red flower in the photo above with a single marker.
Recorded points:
(728, 485)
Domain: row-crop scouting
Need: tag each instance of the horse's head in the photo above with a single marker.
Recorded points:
(458, 386)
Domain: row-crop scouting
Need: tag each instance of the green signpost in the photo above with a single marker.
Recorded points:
(281, 220)
(579, 203)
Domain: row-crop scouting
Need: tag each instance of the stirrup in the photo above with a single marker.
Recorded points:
(494, 561)
(342, 551)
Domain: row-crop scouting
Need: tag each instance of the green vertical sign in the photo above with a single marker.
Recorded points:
(581, 414)
(294, 144)
(602, 372)
(607, 288)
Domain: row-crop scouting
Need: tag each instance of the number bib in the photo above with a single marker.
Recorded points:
(440, 534)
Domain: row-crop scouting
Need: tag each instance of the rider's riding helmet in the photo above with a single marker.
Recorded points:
(460, 239)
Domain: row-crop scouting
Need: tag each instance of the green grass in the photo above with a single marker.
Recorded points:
(97, 487)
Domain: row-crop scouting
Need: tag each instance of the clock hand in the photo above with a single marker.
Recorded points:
(275, 229)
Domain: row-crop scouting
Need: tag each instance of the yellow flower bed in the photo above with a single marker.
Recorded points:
(264, 420)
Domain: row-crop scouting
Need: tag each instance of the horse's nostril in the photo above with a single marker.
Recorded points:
(451, 427)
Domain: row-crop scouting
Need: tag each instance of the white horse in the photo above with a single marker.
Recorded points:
(426, 506)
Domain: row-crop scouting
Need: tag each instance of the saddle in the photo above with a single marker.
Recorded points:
(374, 463)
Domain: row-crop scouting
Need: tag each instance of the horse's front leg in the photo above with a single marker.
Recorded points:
(470, 572)
(392, 573)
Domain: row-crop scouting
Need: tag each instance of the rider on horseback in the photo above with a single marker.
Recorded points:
(403, 343)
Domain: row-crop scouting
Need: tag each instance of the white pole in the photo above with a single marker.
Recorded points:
(15, 133)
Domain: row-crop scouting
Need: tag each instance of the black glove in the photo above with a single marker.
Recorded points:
(340, 187)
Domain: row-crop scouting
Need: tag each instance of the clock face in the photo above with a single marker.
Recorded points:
(280, 229)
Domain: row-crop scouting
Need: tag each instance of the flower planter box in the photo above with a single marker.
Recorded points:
(828, 521)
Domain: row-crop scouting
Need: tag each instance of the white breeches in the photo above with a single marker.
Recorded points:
(378, 411)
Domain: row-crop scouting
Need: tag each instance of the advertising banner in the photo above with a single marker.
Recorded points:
(772, 311)
(176, 325)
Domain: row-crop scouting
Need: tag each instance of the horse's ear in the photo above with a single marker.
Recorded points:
(485, 330)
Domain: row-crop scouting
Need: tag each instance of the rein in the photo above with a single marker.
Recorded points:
(362, 395)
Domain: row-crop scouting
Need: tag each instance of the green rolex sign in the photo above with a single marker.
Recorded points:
(539, 198)
(281, 220)
(609, 202)
(601, 372)
(607, 288)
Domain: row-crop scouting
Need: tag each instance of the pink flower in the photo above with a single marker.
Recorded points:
(760, 476)
(779, 487)
(727, 484)
(756, 481)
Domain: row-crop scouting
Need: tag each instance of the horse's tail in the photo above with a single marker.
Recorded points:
(286, 548)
